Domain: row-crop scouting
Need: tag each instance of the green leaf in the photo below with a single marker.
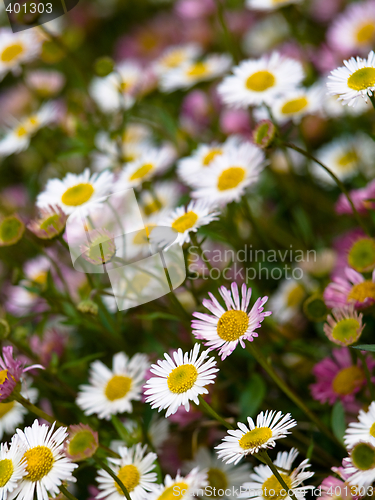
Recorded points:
(158, 315)
(365, 347)
(121, 430)
(338, 420)
(81, 361)
(252, 397)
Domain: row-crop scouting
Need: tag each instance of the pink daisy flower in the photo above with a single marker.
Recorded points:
(227, 327)
(360, 199)
(331, 486)
(354, 288)
(338, 378)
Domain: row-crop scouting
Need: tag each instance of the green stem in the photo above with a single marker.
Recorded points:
(38, 412)
(248, 213)
(372, 99)
(288, 491)
(367, 374)
(289, 392)
(66, 493)
(213, 413)
(228, 36)
(339, 183)
(113, 475)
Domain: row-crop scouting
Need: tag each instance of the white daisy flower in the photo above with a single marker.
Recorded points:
(183, 220)
(16, 49)
(18, 137)
(12, 467)
(229, 174)
(268, 4)
(296, 104)
(231, 325)
(12, 414)
(353, 31)
(112, 391)
(353, 81)
(359, 467)
(46, 465)
(220, 476)
(134, 471)
(152, 161)
(258, 81)
(45, 82)
(333, 108)
(76, 191)
(249, 440)
(263, 479)
(180, 379)
(192, 72)
(363, 430)
(164, 195)
(175, 56)
(287, 300)
(181, 487)
(264, 35)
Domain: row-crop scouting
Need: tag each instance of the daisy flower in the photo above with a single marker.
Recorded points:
(330, 483)
(258, 81)
(12, 414)
(353, 31)
(181, 487)
(220, 476)
(360, 198)
(180, 379)
(263, 479)
(363, 430)
(296, 104)
(345, 326)
(76, 192)
(359, 467)
(230, 174)
(353, 81)
(12, 467)
(164, 195)
(45, 82)
(184, 220)
(287, 300)
(46, 465)
(188, 74)
(16, 49)
(111, 391)
(175, 56)
(249, 440)
(51, 223)
(269, 4)
(338, 378)
(228, 326)
(133, 468)
(353, 288)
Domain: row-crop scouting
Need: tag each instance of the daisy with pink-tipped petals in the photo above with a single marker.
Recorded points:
(354, 288)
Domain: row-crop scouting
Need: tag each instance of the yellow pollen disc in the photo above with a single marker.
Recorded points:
(362, 254)
(272, 489)
(3, 376)
(232, 325)
(346, 329)
(21, 131)
(198, 69)
(182, 378)
(152, 207)
(211, 156)
(175, 491)
(130, 476)
(295, 296)
(365, 33)
(217, 479)
(347, 159)
(260, 81)
(33, 121)
(124, 86)
(77, 195)
(255, 438)
(5, 408)
(362, 79)
(11, 52)
(372, 430)
(185, 222)
(362, 291)
(141, 237)
(39, 462)
(6, 471)
(40, 278)
(142, 171)
(230, 178)
(347, 380)
(294, 106)
(173, 59)
(117, 387)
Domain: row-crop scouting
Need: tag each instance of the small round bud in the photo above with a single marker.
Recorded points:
(104, 66)
(4, 329)
(82, 442)
(315, 309)
(11, 230)
(88, 307)
(264, 134)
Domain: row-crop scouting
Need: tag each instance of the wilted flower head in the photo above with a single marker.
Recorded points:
(51, 223)
(82, 442)
(344, 327)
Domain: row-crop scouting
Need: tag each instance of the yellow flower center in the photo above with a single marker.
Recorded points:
(363, 456)
(372, 430)
(346, 330)
(365, 33)
(6, 471)
(5, 408)
(362, 79)
(142, 171)
(39, 462)
(182, 378)
(272, 489)
(256, 437)
(129, 475)
(82, 441)
(141, 237)
(231, 178)
(40, 278)
(347, 159)
(347, 380)
(260, 81)
(77, 195)
(185, 222)
(362, 291)
(294, 106)
(11, 52)
(198, 70)
(211, 155)
(177, 490)
(21, 131)
(173, 59)
(152, 207)
(362, 255)
(117, 387)
(3, 376)
(52, 220)
(295, 296)
(232, 325)
(217, 479)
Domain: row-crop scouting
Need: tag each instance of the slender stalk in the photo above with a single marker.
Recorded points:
(66, 493)
(288, 492)
(367, 374)
(372, 99)
(339, 183)
(213, 413)
(228, 36)
(38, 412)
(289, 392)
(248, 213)
(113, 475)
